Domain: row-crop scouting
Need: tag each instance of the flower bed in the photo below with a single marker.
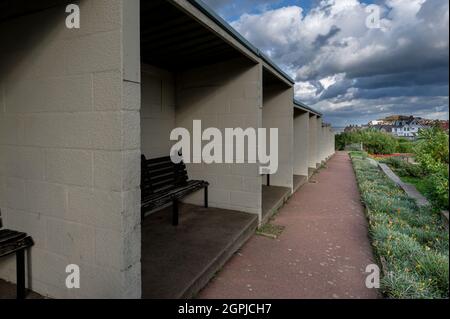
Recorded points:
(411, 241)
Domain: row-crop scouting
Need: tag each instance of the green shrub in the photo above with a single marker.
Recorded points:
(439, 188)
(393, 162)
(374, 141)
(432, 152)
(414, 170)
(405, 146)
(432, 149)
(403, 168)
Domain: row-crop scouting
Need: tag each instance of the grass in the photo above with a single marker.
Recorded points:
(421, 185)
(411, 240)
(270, 230)
(413, 174)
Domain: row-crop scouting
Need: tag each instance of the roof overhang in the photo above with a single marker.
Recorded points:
(235, 37)
(306, 108)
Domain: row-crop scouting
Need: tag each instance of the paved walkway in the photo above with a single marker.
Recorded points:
(322, 253)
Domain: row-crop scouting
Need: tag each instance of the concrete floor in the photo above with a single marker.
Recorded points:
(8, 291)
(177, 261)
(273, 197)
(322, 253)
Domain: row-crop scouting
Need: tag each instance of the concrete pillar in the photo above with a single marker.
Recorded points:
(278, 113)
(324, 143)
(301, 142)
(312, 153)
(332, 142)
(319, 149)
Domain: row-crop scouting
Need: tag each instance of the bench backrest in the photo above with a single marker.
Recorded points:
(161, 174)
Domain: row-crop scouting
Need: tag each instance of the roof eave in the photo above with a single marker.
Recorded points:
(202, 7)
(305, 107)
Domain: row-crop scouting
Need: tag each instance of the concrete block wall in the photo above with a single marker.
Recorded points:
(301, 143)
(278, 113)
(157, 111)
(322, 143)
(319, 137)
(312, 153)
(331, 141)
(70, 148)
(223, 95)
(326, 141)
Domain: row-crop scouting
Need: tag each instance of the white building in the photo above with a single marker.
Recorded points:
(407, 128)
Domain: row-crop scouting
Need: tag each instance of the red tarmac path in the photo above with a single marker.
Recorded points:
(322, 253)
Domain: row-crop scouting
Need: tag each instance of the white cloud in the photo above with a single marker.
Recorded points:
(338, 61)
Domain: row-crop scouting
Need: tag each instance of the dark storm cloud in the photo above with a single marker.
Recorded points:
(432, 82)
(321, 40)
(343, 67)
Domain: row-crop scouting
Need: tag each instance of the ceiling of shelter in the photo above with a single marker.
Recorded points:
(270, 79)
(298, 111)
(172, 40)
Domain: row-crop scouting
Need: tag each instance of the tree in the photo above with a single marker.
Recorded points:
(432, 153)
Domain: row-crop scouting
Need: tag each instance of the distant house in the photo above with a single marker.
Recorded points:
(444, 125)
(408, 128)
(383, 128)
(352, 128)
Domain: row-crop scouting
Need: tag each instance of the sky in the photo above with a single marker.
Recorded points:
(347, 63)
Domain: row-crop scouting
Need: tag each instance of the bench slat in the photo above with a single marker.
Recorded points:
(162, 199)
(163, 181)
(10, 247)
(7, 235)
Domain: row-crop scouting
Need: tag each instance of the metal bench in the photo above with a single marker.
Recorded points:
(14, 242)
(163, 182)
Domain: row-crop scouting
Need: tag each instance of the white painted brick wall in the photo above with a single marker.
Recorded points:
(224, 95)
(312, 154)
(158, 111)
(70, 147)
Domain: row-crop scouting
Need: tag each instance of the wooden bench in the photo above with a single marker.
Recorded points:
(163, 182)
(14, 242)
